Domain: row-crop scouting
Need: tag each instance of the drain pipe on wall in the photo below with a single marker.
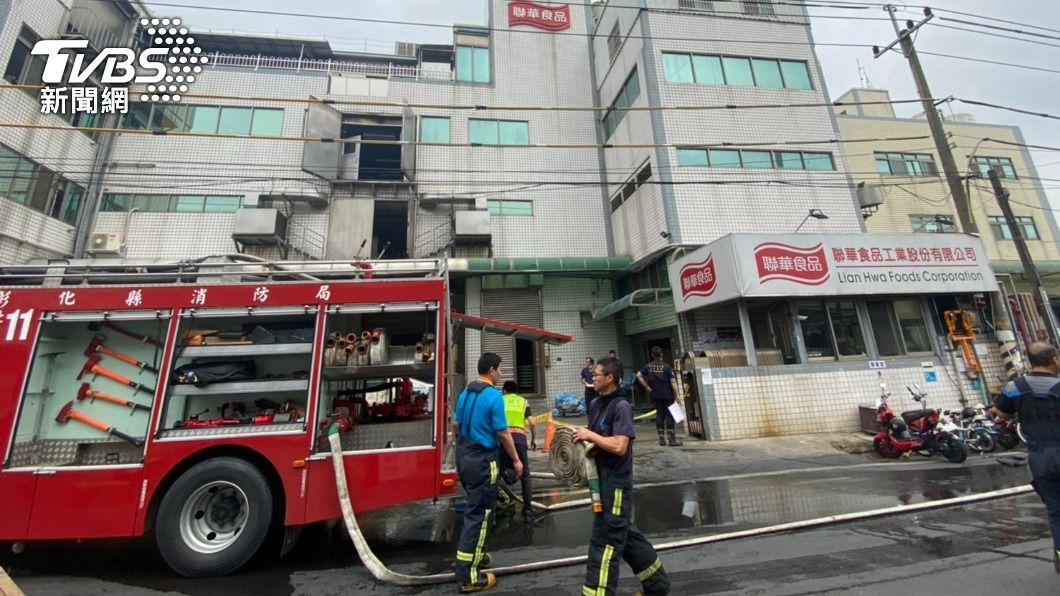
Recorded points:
(384, 574)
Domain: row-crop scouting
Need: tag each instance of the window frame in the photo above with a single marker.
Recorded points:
(999, 226)
(448, 130)
(510, 208)
(496, 125)
(614, 42)
(474, 56)
(828, 305)
(988, 162)
(925, 164)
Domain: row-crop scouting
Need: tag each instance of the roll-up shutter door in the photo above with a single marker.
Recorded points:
(522, 306)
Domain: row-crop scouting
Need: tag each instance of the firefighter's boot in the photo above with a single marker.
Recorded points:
(671, 436)
(662, 437)
(481, 585)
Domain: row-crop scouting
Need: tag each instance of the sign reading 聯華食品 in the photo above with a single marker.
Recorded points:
(760, 265)
(542, 16)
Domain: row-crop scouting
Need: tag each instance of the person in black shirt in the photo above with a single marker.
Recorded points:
(1036, 399)
(587, 381)
(615, 536)
(661, 382)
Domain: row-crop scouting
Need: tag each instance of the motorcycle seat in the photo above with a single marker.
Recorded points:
(915, 415)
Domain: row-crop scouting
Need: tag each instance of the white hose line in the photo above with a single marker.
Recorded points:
(371, 562)
(774, 529)
(383, 574)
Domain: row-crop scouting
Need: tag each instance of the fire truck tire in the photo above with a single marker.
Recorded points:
(214, 518)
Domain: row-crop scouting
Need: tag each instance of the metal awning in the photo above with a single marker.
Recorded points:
(509, 329)
(1044, 267)
(643, 297)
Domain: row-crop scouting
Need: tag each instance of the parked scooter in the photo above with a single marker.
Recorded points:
(917, 430)
(1008, 435)
(971, 427)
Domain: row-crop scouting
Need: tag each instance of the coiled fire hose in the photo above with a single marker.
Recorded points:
(570, 462)
(383, 574)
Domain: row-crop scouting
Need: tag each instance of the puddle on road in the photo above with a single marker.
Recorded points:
(423, 537)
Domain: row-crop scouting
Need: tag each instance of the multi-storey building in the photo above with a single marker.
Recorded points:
(916, 199)
(569, 160)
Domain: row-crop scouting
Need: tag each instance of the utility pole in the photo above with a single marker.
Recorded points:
(949, 166)
(1029, 269)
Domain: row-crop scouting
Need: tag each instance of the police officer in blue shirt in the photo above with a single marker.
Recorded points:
(1035, 398)
(481, 426)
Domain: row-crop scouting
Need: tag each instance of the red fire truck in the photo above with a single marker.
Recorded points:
(192, 399)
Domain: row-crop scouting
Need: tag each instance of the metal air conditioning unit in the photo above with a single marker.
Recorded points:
(472, 227)
(259, 226)
(104, 244)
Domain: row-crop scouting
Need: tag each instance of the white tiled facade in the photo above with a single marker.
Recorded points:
(569, 182)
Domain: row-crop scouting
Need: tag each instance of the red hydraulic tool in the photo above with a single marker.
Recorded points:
(96, 345)
(68, 413)
(92, 366)
(85, 391)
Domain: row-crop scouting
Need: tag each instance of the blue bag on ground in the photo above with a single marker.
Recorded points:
(569, 404)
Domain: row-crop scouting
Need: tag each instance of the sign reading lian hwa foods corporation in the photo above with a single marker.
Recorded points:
(552, 18)
(760, 265)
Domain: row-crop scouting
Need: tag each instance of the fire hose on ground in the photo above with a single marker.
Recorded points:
(384, 574)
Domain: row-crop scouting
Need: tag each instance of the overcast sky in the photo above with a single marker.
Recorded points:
(1028, 89)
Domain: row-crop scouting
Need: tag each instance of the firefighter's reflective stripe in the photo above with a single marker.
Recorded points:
(479, 546)
(465, 557)
(605, 567)
(493, 472)
(616, 507)
(587, 591)
(650, 571)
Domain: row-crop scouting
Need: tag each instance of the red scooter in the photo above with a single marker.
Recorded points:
(917, 430)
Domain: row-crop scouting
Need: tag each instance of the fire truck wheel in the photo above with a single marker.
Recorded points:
(214, 517)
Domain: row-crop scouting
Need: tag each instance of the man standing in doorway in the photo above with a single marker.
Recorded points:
(615, 536)
(480, 425)
(661, 383)
(1035, 398)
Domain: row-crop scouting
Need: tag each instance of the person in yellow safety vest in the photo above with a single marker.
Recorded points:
(518, 414)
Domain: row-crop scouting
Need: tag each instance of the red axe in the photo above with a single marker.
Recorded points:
(84, 392)
(69, 413)
(96, 326)
(96, 345)
(92, 366)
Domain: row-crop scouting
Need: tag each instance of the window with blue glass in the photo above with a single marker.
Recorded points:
(628, 94)
(906, 164)
(498, 132)
(515, 208)
(754, 159)
(1001, 165)
(230, 120)
(163, 203)
(472, 64)
(434, 130)
(742, 71)
(1003, 232)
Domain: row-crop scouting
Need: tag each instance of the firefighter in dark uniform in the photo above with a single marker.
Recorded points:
(1035, 398)
(615, 536)
(480, 425)
(658, 378)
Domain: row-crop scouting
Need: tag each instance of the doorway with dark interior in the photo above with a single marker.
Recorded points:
(372, 161)
(390, 228)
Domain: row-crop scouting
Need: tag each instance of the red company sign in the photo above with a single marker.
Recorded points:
(699, 279)
(552, 18)
(806, 266)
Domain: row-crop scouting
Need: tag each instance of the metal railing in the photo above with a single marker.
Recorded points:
(305, 240)
(388, 70)
(435, 240)
(84, 23)
(212, 270)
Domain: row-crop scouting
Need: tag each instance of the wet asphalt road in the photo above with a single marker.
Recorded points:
(979, 548)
